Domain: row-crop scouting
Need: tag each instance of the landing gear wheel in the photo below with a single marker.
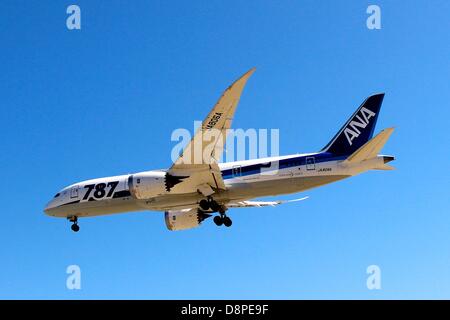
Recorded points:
(204, 204)
(218, 220)
(227, 222)
(75, 227)
(223, 220)
(210, 204)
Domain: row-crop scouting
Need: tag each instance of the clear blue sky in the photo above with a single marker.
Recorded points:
(104, 101)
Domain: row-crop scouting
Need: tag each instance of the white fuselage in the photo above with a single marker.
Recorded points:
(244, 180)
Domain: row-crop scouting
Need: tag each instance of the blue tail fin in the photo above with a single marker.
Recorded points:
(358, 129)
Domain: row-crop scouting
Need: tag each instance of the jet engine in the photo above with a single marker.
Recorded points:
(184, 219)
(146, 185)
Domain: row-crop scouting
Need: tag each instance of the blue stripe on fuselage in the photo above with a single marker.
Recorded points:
(283, 164)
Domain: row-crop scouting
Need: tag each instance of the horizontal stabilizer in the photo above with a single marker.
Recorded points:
(371, 148)
(385, 167)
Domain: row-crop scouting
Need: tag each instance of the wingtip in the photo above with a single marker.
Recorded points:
(242, 79)
(249, 72)
(299, 199)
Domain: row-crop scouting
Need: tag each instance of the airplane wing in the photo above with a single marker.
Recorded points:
(196, 169)
(241, 204)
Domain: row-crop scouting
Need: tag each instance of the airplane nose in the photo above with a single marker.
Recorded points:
(48, 209)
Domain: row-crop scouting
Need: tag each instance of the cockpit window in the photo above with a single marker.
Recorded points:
(56, 195)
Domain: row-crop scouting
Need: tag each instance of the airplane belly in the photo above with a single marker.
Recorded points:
(279, 186)
(96, 208)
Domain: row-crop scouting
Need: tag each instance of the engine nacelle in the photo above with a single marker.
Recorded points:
(184, 219)
(146, 185)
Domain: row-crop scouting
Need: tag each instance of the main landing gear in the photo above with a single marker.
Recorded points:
(211, 204)
(75, 227)
(223, 219)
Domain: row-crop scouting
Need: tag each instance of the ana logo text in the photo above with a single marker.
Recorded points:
(352, 131)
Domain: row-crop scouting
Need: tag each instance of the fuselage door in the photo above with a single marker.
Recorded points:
(310, 163)
(237, 171)
(74, 192)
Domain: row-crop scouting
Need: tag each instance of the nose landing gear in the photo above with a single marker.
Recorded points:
(75, 227)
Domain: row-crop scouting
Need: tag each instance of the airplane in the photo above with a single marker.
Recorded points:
(192, 190)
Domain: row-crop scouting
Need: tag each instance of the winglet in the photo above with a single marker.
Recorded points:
(293, 200)
(240, 83)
